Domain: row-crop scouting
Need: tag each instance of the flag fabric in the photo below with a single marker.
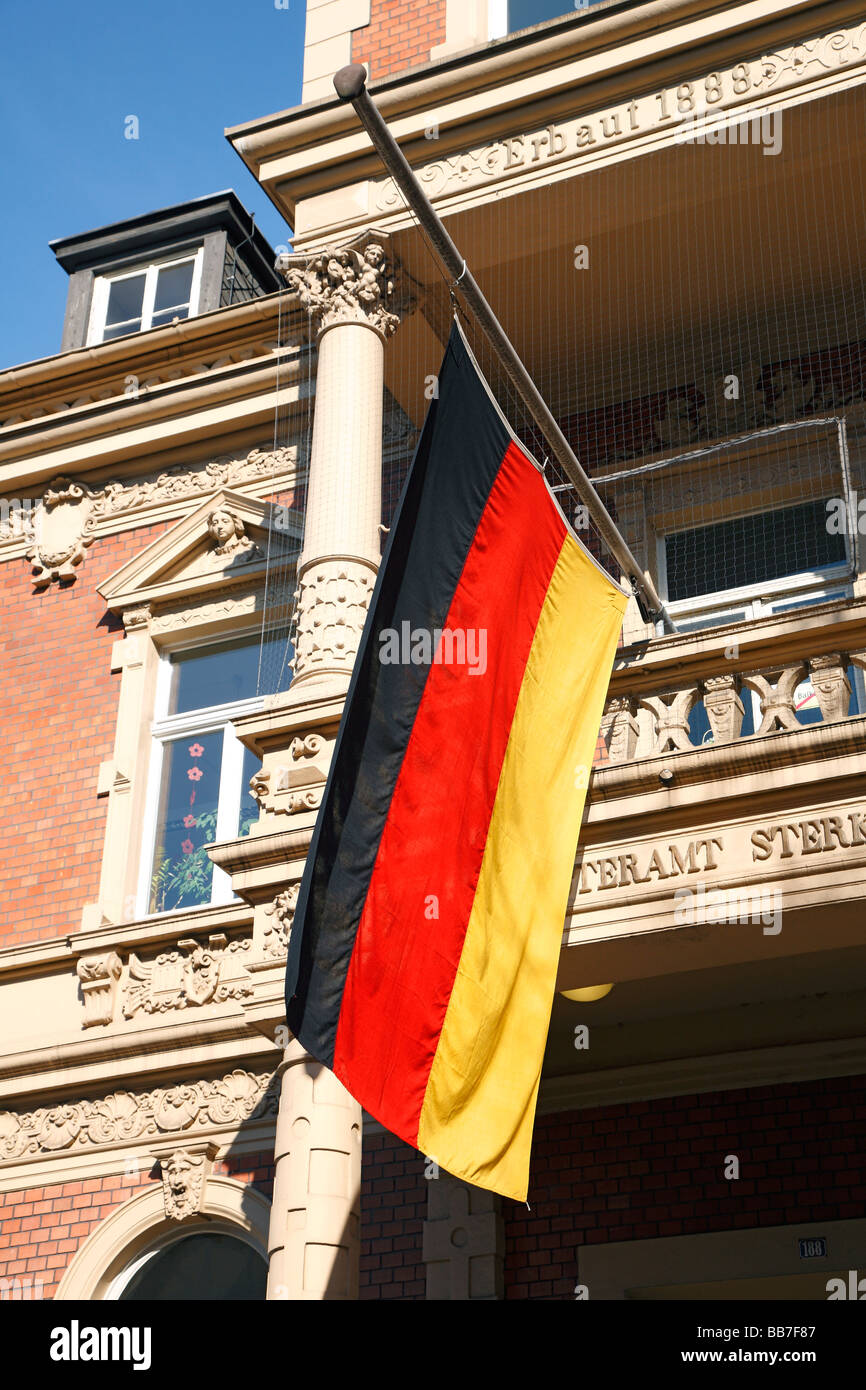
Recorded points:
(424, 949)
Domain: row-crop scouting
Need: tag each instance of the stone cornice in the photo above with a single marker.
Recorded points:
(110, 503)
(526, 81)
(167, 421)
(823, 628)
(195, 344)
(147, 1050)
(36, 957)
(767, 1066)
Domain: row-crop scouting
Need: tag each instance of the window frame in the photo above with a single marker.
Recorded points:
(756, 599)
(760, 600)
(166, 729)
(102, 289)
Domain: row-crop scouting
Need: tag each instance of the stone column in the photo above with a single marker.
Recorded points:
(348, 292)
(314, 1238)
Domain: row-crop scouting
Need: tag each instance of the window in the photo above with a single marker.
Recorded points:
(200, 771)
(209, 1265)
(509, 16)
(752, 565)
(749, 567)
(132, 301)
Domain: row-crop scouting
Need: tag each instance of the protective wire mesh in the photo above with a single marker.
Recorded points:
(293, 421)
(695, 319)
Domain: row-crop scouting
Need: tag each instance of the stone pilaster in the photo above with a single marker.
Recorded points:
(464, 1241)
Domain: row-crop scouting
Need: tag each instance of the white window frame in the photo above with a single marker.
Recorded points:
(752, 600)
(166, 729)
(497, 19)
(759, 600)
(150, 269)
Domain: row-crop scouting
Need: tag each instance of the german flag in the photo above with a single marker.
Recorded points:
(424, 950)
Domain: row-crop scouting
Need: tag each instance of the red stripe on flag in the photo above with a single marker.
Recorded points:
(411, 932)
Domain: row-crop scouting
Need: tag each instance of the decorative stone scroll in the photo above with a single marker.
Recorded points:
(281, 912)
(125, 1116)
(99, 976)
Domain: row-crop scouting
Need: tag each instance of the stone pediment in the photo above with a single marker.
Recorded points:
(226, 540)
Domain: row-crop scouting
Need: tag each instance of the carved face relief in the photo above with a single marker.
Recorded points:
(228, 534)
(222, 526)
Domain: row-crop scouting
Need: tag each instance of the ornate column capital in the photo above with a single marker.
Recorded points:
(352, 282)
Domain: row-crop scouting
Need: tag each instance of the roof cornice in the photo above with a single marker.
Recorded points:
(298, 147)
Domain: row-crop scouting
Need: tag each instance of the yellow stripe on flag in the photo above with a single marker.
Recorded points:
(479, 1104)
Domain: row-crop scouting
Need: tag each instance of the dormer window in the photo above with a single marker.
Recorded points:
(147, 296)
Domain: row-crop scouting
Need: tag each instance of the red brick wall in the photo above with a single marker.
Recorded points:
(400, 35)
(655, 1168)
(58, 706)
(393, 1208)
(41, 1228)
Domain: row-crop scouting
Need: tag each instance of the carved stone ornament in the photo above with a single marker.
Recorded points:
(62, 530)
(184, 1176)
(99, 976)
(619, 729)
(275, 938)
(350, 283)
(137, 618)
(125, 1116)
(228, 536)
(189, 977)
(724, 708)
(61, 525)
(831, 685)
(332, 600)
(298, 785)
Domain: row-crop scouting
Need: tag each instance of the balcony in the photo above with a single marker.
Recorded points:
(726, 817)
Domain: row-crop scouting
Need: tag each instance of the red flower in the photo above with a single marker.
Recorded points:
(195, 750)
(189, 821)
(195, 774)
(187, 846)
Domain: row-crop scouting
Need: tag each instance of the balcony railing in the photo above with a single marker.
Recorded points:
(664, 693)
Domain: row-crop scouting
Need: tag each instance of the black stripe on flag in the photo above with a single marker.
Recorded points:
(459, 454)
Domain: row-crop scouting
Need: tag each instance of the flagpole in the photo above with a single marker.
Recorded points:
(350, 84)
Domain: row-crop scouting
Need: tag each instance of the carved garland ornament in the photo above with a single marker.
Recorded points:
(123, 1116)
(63, 523)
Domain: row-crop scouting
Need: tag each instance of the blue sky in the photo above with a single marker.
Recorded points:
(70, 74)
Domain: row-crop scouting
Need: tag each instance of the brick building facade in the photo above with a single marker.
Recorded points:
(164, 551)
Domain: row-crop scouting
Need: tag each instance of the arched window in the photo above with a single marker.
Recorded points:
(211, 1265)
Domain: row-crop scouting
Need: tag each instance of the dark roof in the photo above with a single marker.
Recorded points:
(168, 226)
